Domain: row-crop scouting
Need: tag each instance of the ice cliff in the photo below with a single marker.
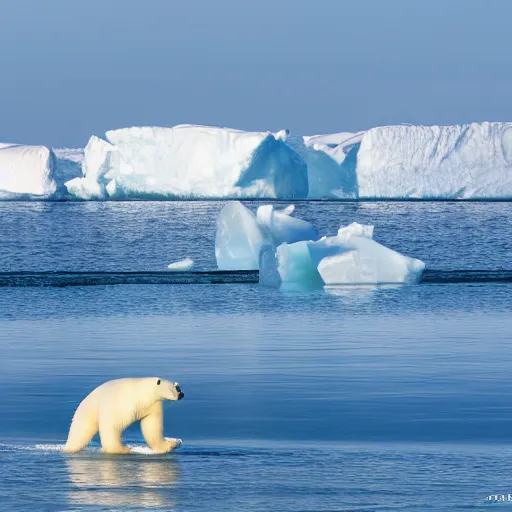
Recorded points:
(472, 161)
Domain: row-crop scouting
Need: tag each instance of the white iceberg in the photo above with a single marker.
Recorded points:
(472, 161)
(351, 257)
(241, 235)
(436, 162)
(189, 161)
(238, 239)
(182, 265)
(368, 262)
(26, 171)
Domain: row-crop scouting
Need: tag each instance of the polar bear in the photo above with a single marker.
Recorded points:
(115, 405)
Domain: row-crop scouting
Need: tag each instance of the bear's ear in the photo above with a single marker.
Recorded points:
(158, 382)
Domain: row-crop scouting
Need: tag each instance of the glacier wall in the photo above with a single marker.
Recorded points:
(472, 161)
(189, 161)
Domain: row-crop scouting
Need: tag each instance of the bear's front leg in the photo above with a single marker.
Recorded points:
(111, 439)
(152, 429)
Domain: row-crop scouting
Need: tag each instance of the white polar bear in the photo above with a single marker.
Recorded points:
(115, 405)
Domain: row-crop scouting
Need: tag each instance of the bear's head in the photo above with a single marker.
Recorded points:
(167, 390)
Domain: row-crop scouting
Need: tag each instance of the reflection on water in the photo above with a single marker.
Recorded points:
(359, 293)
(129, 481)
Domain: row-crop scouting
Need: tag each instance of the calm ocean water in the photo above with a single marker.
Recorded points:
(339, 400)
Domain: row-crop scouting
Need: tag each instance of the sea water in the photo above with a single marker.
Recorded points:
(386, 398)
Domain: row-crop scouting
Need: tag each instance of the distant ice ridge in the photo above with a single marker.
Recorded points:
(472, 161)
(436, 162)
(189, 161)
(289, 254)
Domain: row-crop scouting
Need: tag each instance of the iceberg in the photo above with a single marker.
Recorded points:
(188, 161)
(351, 257)
(238, 239)
(26, 171)
(472, 161)
(241, 235)
(368, 262)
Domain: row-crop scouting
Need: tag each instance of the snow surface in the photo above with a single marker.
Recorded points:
(351, 257)
(449, 162)
(26, 171)
(182, 265)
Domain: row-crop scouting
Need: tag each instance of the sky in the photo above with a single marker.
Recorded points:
(73, 68)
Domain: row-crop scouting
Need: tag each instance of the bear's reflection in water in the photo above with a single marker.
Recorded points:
(128, 481)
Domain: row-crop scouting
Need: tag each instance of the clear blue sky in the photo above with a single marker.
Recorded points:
(72, 68)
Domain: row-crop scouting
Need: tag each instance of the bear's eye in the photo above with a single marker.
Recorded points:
(158, 382)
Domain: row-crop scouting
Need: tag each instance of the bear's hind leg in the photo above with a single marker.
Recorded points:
(81, 432)
(111, 440)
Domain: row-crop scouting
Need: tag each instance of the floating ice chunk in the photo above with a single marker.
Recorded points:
(297, 268)
(350, 257)
(466, 161)
(369, 262)
(281, 228)
(241, 235)
(238, 239)
(26, 171)
(182, 265)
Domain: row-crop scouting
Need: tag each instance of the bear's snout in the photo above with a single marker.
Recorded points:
(178, 389)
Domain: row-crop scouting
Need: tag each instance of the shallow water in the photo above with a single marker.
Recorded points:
(391, 398)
